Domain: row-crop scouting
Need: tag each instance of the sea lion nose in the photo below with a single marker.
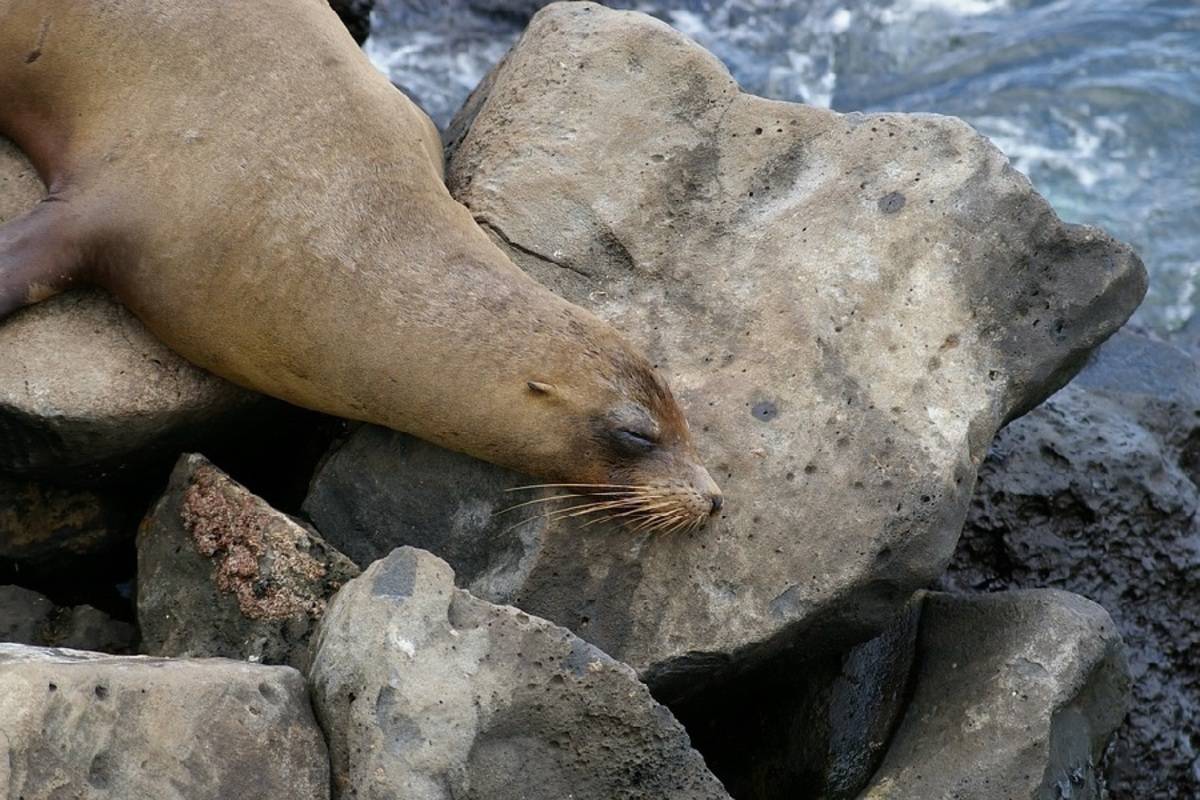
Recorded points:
(717, 501)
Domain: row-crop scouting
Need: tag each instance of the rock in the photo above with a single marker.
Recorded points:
(427, 692)
(84, 725)
(848, 306)
(802, 727)
(1016, 696)
(356, 14)
(1095, 492)
(42, 525)
(23, 615)
(27, 617)
(221, 573)
(84, 388)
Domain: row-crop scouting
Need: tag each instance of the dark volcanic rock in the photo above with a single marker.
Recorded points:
(1015, 698)
(848, 307)
(1096, 492)
(83, 725)
(27, 617)
(221, 573)
(427, 693)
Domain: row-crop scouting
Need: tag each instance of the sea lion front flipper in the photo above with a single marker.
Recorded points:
(40, 256)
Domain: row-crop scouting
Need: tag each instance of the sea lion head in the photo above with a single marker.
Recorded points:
(629, 448)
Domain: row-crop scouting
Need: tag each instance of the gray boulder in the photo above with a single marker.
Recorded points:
(84, 387)
(1095, 492)
(848, 306)
(427, 693)
(1016, 696)
(115, 728)
(27, 617)
(221, 573)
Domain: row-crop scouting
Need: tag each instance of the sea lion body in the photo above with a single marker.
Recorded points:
(245, 181)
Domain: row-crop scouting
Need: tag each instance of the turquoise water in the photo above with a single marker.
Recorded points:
(1098, 101)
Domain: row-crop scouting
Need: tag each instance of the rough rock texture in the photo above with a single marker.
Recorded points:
(848, 307)
(83, 386)
(27, 617)
(799, 727)
(82, 725)
(426, 692)
(221, 573)
(1096, 492)
(356, 14)
(41, 523)
(1016, 696)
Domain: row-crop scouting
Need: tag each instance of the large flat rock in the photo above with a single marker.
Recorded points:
(82, 725)
(848, 306)
(84, 387)
(428, 693)
(1015, 699)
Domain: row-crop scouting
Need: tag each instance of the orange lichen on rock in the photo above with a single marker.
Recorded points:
(258, 555)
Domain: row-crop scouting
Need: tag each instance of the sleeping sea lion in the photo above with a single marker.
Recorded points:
(242, 178)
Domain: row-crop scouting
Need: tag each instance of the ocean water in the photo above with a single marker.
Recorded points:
(1098, 101)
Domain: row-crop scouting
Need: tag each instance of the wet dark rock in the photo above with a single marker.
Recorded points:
(1015, 698)
(84, 725)
(27, 617)
(752, 267)
(428, 693)
(1096, 492)
(221, 573)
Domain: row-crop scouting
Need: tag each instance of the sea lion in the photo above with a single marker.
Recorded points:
(243, 179)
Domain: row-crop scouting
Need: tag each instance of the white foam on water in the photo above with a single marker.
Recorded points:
(905, 10)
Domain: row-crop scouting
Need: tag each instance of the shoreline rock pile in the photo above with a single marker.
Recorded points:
(849, 306)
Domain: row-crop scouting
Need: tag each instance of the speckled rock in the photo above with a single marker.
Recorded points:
(427, 693)
(221, 573)
(1016, 696)
(848, 307)
(83, 725)
(27, 617)
(1095, 492)
(84, 388)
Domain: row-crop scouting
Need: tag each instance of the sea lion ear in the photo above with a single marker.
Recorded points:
(538, 387)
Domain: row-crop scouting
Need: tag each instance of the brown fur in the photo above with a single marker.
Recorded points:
(243, 179)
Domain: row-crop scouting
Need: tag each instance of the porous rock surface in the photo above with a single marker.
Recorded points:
(221, 573)
(426, 692)
(1015, 697)
(84, 387)
(83, 725)
(848, 307)
(1095, 492)
(27, 617)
